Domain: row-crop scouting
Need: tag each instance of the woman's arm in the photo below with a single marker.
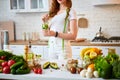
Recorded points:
(67, 36)
(73, 31)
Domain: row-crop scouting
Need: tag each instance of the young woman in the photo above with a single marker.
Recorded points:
(59, 46)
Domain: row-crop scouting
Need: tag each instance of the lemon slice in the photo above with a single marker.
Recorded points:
(93, 54)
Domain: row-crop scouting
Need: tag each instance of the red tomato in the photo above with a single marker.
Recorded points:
(11, 62)
(39, 71)
(35, 70)
(6, 69)
(4, 64)
(3, 57)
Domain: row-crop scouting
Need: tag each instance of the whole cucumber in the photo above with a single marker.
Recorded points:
(24, 66)
(22, 71)
(17, 65)
(13, 71)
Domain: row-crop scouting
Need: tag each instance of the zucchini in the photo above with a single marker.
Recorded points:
(23, 71)
(17, 65)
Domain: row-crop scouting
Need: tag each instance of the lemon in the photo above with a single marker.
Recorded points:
(83, 51)
(93, 54)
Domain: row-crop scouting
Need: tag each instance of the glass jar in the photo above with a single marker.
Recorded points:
(111, 50)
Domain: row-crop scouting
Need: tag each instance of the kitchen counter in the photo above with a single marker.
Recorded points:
(88, 43)
(21, 42)
(55, 75)
(73, 43)
(48, 74)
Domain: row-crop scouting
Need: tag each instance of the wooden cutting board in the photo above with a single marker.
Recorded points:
(10, 26)
(83, 22)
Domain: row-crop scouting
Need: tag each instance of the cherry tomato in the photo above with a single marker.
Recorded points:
(35, 70)
(4, 64)
(39, 71)
(6, 69)
(11, 62)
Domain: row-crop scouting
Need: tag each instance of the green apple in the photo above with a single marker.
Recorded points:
(45, 26)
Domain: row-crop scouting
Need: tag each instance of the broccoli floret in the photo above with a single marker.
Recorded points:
(116, 69)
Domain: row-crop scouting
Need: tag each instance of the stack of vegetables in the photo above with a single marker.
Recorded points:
(13, 64)
(89, 54)
(97, 65)
(108, 66)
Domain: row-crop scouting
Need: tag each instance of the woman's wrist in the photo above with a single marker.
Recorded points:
(56, 34)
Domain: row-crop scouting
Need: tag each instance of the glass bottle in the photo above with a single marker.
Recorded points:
(29, 55)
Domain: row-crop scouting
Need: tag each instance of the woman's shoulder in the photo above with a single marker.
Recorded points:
(72, 10)
(72, 14)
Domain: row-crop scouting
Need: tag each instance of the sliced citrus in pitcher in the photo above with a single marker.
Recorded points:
(93, 54)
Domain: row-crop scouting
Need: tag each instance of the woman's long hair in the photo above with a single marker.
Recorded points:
(55, 6)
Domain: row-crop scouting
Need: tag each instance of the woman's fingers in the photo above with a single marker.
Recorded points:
(48, 33)
(45, 18)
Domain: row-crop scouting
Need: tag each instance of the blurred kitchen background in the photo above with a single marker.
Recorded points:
(106, 15)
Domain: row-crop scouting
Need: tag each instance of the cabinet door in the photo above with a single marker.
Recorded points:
(17, 4)
(20, 6)
(45, 52)
(105, 49)
(37, 50)
(105, 2)
(39, 5)
(76, 51)
(17, 49)
(34, 4)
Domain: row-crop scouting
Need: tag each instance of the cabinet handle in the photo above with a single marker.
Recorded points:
(34, 47)
(13, 46)
(77, 48)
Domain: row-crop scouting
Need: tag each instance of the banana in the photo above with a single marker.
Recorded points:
(83, 52)
(87, 52)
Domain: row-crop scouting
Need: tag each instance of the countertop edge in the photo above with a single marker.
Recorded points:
(85, 43)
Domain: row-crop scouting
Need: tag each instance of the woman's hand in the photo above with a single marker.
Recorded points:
(45, 18)
(48, 33)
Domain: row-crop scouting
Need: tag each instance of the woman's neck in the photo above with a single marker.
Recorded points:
(63, 7)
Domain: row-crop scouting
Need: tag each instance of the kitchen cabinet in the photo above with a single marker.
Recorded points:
(45, 50)
(77, 49)
(105, 2)
(20, 6)
(19, 49)
(37, 49)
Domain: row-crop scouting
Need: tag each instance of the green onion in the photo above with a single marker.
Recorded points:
(66, 19)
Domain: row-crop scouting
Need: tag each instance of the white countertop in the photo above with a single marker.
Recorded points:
(48, 74)
(54, 75)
